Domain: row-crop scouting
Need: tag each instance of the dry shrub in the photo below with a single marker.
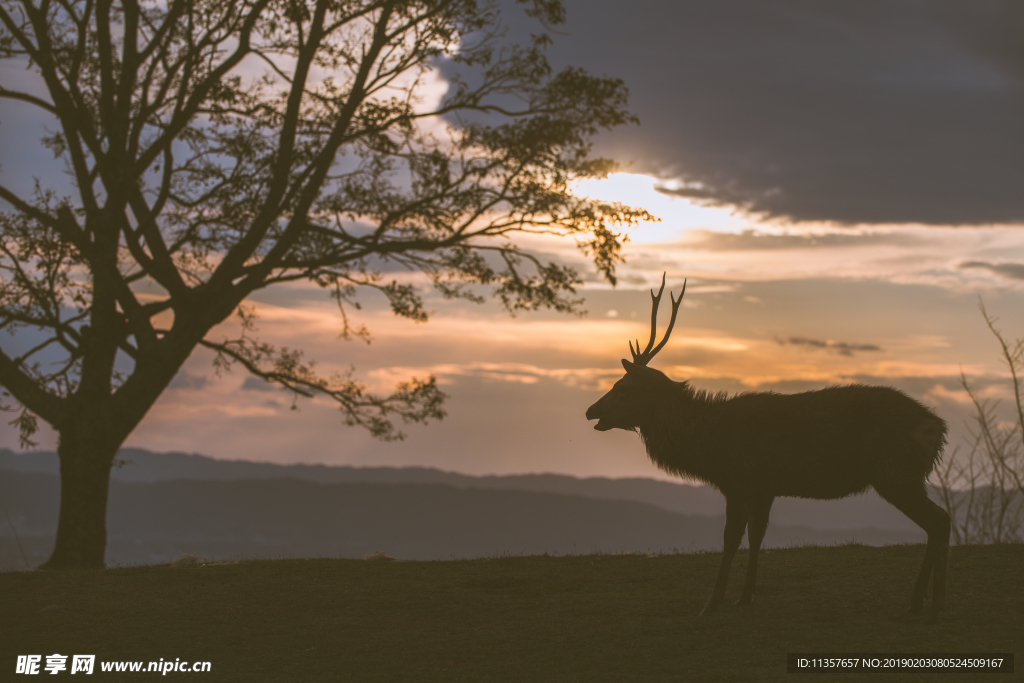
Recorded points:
(984, 492)
(378, 555)
(187, 560)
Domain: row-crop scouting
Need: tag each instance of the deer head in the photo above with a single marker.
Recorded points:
(624, 406)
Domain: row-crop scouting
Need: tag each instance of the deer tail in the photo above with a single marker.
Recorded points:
(930, 438)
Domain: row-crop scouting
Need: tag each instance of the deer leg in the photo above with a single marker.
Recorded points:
(736, 513)
(756, 527)
(914, 503)
(940, 554)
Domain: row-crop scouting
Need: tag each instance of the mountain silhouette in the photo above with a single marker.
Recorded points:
(162, 505)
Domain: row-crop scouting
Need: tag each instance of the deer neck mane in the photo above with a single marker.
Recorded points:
(678, 431)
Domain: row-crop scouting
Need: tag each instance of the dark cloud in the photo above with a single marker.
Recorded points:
(252, 383)
(188, 380)
(872, 111)
(749, 240)
(842, 348)
(1014, 271)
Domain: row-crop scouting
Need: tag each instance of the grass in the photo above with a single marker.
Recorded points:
(576, 618)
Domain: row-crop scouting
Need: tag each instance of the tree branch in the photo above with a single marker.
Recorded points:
(29, 394)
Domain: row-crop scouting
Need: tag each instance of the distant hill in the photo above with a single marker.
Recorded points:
(141, 466)
(151, 522)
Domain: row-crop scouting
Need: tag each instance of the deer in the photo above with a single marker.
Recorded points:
(757, 446)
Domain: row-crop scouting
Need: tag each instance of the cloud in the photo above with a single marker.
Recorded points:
(253, 383)
(516, 373)
(189, 380)
(752, 240)
(842, 348)
(1014, 271)
(865, 112)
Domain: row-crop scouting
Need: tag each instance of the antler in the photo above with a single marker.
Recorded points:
(649, 353)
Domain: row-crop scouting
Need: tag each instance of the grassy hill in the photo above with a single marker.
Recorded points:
(530, 618)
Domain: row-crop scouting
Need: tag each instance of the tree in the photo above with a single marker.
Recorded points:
(984, 492)
(217, 147)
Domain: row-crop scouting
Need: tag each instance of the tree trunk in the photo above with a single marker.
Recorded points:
(96, 425)
(85, 462)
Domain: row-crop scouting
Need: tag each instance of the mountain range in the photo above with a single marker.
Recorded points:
(165, 504)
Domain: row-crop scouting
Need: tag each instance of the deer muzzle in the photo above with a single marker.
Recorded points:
(598, 412)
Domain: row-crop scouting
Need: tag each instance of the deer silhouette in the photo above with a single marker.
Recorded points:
(757, 446)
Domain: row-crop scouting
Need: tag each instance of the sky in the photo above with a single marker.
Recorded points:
(839, 183)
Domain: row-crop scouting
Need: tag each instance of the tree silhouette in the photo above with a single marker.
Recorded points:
(217, 147)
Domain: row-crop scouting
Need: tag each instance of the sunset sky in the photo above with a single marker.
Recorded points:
(839, 182)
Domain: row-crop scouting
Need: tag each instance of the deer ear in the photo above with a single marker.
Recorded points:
(629, 367)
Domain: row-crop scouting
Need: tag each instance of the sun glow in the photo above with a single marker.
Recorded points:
(677, 214)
